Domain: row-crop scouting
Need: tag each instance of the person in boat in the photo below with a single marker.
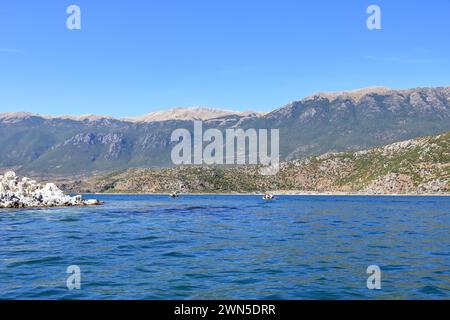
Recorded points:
(268, 196)
(174, 194)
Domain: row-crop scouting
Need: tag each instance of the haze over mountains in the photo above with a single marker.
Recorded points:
(342, 121)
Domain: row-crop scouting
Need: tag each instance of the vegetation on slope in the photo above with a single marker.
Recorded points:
(414, 166)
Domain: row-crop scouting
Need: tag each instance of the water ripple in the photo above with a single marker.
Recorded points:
(229, 247)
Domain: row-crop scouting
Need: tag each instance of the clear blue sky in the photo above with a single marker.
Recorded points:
(133, 57)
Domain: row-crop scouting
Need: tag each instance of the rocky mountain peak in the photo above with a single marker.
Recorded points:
(355, 95)
(193, 113)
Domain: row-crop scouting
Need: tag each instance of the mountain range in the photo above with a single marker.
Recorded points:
(193, 113)
(321, 123)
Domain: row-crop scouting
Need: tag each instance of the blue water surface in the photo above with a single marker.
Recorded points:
(229, 247)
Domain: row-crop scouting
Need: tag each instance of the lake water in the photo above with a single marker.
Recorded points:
(229, 247)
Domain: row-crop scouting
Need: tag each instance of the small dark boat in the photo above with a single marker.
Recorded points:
(174, 195)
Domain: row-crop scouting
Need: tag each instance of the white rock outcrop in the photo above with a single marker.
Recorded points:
(27, 193)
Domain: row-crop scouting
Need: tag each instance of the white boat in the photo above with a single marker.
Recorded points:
(268, 196)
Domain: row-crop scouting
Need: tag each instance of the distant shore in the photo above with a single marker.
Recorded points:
(279, 194)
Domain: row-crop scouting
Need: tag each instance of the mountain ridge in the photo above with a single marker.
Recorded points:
(207, 113)
(188, 113)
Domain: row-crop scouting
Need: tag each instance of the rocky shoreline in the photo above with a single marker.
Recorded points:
(18, 192)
